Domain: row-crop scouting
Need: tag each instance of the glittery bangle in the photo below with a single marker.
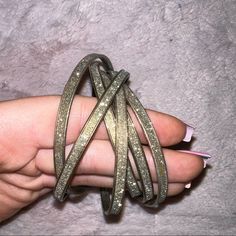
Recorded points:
(113, 95)
(100, 78)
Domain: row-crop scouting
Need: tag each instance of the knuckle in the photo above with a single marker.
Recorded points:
(25, 196)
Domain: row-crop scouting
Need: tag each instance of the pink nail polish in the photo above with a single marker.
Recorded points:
(188, 186)
(189, 133)
(201, 154)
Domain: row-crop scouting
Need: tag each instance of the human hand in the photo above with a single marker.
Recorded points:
(26, 151)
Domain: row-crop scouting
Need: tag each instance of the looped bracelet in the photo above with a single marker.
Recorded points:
(113, 96)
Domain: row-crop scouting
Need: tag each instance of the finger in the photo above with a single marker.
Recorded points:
(107, 182)
(44, 191)
(17, 194)
(14, 198)
(99, 160)
(37, 117)
(23, 181)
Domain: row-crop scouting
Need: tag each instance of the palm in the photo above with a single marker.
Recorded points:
(26, 154)
(18, 169)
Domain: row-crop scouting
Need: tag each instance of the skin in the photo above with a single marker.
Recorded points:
(26, 151)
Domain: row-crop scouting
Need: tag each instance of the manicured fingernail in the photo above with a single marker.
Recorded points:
(204, 164)
(189, 133)
(201, 154)
(188, 186)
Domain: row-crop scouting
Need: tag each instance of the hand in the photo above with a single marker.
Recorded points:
(26, 150)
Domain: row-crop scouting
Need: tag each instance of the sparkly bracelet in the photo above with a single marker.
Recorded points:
(113, 96)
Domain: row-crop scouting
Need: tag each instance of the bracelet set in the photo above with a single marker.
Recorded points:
(113, 98)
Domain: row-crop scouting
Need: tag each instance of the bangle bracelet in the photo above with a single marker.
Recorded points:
(113, 96)
(134, 143)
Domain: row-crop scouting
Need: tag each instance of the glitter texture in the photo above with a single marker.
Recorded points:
(113, 96)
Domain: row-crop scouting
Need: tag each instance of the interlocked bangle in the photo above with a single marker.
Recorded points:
(113, 96)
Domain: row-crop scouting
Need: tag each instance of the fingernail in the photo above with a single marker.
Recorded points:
(189, 133)
(188, 186)
(201, 154)
(204, 164)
